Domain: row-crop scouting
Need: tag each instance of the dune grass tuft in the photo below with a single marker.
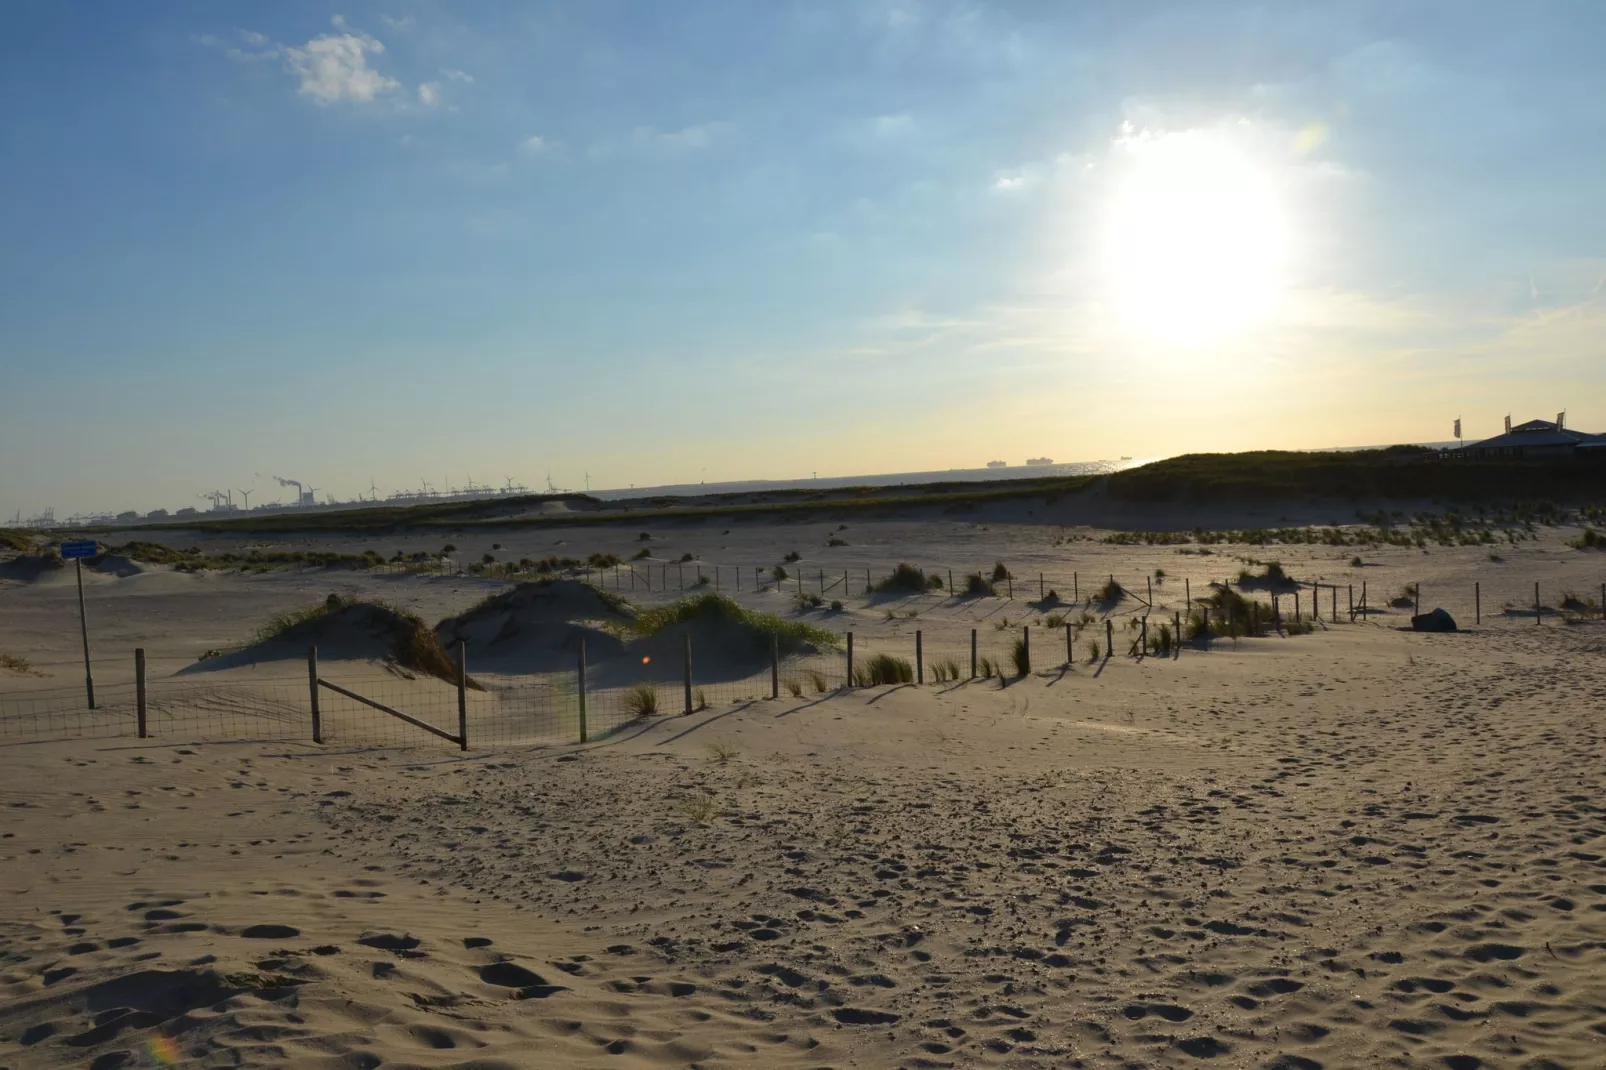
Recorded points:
(282, 623)
(883, 669)
(641, 700)
(907, 577)
(1109, 594)
(1020, 657)
(16, 663)
(978, 585)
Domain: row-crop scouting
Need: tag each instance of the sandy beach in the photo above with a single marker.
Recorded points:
(1356, 847)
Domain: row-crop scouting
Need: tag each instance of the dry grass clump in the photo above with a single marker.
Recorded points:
(1020, 656)
(1109, 594)
(282, 623)
(16, 663)
(883, 669)
(978, 585)
(907, 577)
(641, 700)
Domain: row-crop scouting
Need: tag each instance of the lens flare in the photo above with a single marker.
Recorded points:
(163, 1049)
(645, 660)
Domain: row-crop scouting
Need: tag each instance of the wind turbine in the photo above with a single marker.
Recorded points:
(246, 495)
(373, 490)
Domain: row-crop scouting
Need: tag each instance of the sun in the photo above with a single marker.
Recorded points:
(1194, 239)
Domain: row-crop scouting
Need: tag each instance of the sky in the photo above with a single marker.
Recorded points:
(376, 244)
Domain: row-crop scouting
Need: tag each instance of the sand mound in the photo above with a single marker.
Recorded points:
(538, 626)
(26, 568)
(727, 640)
(117, 565)
(344, 630)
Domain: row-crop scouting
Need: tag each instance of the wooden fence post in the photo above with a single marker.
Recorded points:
(312, 682)
(1010, 576)
(1477, 602)
(462, 695)
(1352, 603)
(1041, 590)
(850, 659)
(1177, 624)
(1070, 644)
(867, 587)
(1076, 588)
(1538, 610)
(972, 653)
(581, 673)
(775, 667)
(1418, 612)
(822, 583)
(139, 689)
(1296, 607)
(1026, 644)
(686, 677)
(1143, 638)
(1109, 636)
(920, 659)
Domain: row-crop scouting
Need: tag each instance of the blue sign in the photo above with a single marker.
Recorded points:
(70, 550)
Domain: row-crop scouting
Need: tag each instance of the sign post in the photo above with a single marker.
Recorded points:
(76, 552)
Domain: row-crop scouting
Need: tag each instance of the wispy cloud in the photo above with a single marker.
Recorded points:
(334, 68)
(452, 74)
(429, 94)
(406, 22)
(536, 143)
(689, 137)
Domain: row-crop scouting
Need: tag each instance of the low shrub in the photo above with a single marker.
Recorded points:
(977, 585)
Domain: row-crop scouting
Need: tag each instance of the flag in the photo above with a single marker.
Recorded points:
(1458, 427)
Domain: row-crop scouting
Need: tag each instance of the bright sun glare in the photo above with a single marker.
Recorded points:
(1195, 241)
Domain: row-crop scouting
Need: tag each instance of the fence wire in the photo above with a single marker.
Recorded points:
(1076, 618)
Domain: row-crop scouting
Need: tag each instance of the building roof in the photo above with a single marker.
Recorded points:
(1538, 433)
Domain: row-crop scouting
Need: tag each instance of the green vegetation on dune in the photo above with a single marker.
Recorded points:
(789, 635)
(1394, 473)
(20, 541)
(412, 644)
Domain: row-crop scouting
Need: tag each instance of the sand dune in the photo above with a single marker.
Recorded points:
(1359, 847)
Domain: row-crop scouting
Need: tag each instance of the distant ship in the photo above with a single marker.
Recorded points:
(1039, 460)
(997, 464)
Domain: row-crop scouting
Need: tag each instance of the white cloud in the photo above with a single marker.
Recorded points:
(691, 137)
(334, 68)
(452, 74)
(257, 46)
(404, 23)
(536, 143)
(429, 94)
(892, 125)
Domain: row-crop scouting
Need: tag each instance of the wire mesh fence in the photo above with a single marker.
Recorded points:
(1019, 624)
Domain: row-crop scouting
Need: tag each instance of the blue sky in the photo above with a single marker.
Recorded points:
(661, 242)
